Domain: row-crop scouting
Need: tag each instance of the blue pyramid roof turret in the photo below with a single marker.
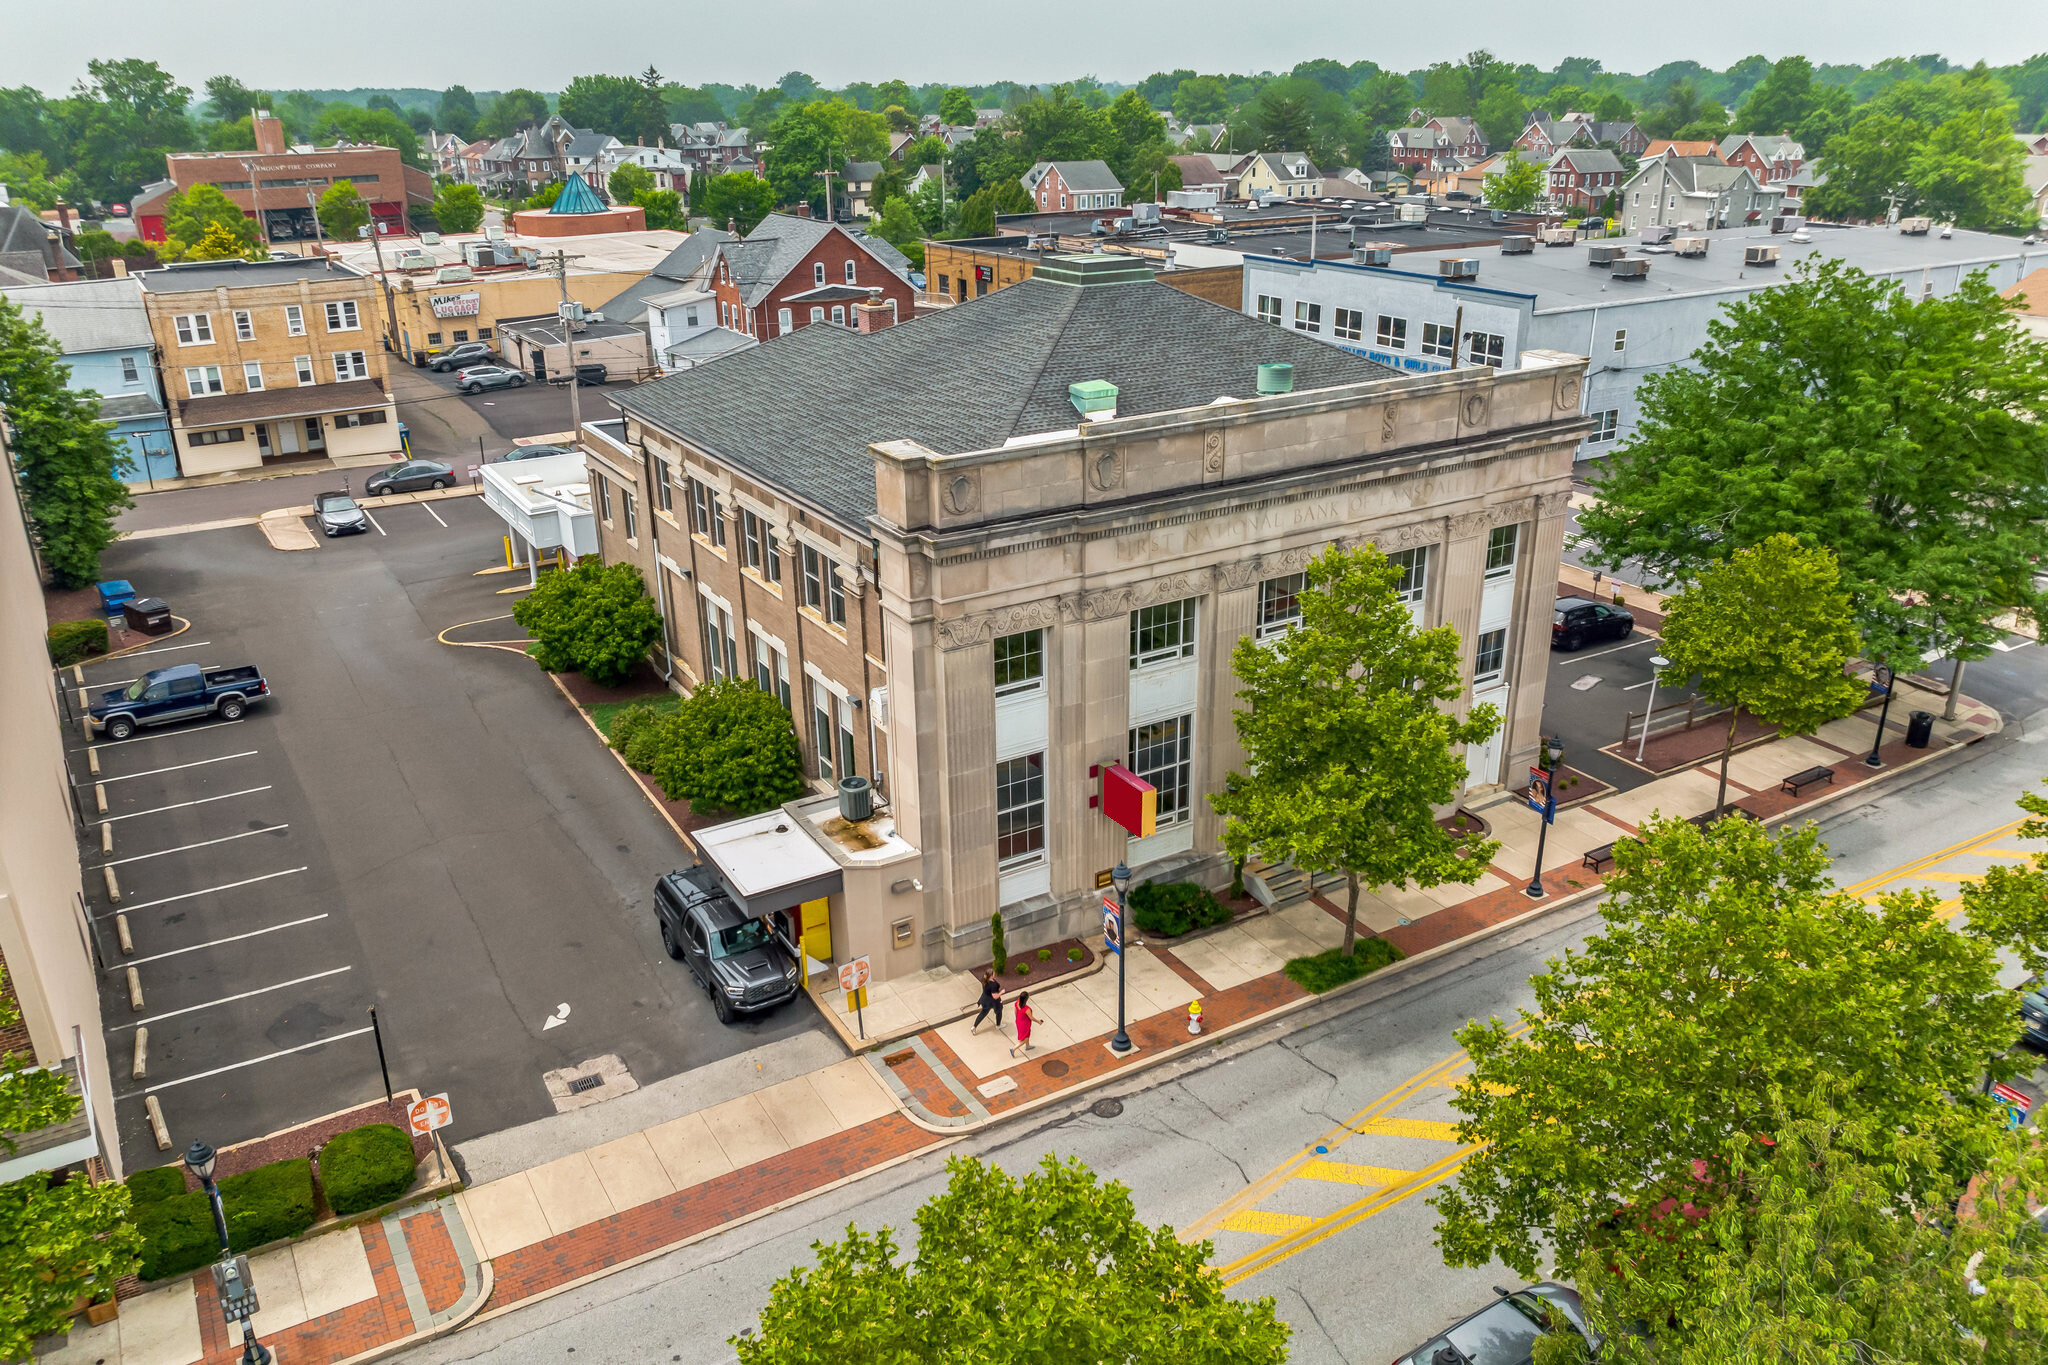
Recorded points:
(577, 197)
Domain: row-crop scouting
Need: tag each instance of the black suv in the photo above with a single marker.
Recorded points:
(1578, 622)
(742, 962)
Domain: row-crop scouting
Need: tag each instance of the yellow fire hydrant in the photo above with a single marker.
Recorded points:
(1194, 1016)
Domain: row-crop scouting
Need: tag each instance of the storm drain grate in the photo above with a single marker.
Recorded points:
(585, 1083)
(1106, 1109)
(1053, 1067)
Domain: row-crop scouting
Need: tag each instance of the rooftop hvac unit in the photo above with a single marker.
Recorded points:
(1915, 227)
(1414, 213)
(1657, 233)
(1517, 246)
(1787, 222)
(1559, 236)
(1604, 255)
(1144, 213)
(430, 239)
(1689, 246)
(1459, 268)
(1759, 255)
(452, 274)
(1632, 269)
(1373, 253)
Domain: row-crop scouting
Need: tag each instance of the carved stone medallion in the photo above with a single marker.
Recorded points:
(963, 493)
(1212, 451)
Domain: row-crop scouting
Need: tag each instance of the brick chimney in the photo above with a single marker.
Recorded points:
(269, 133)
(875, 313)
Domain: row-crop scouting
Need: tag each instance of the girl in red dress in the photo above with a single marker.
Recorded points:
(1020, 1015)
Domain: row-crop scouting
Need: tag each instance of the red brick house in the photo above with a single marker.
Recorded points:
(1418, 149)
(1063, 186)
(1466, 139)
(790, 272)
(1581, 177)
(1771, 157)
(1544, 137)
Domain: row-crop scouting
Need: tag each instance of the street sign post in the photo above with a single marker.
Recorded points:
(2017, 1105)
(1112, 927)
(425, 1115)
(853, 980)
(1542, 799)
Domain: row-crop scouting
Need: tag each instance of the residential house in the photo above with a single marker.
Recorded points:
(2032, 314)
(987, 118)
(1664, 146)
(32, 250)
(715, 148)
(2035, 172)
(1691, 191)
(1058, 186)
(104, 331)
(790, 272)
(856, 188)
(2036, 144)
(955, 134)
(583, 153)
(1465, 138)
(1809, 175)
(1418, 149)
(1771, 158)
(268, 359)
(986, 556)
(1214, 172)
(1620, 135)
(670, 169)
(1198, 137)
(471, 161)
(1545, 137)
(444, 153)
(686, 268)
(1470, 179)
(1280, 175)
(1581, 177)
(930, 173)
(899, 143)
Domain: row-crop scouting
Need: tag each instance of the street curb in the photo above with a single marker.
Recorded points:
(488, 1280)
(302, 510)
(618, 758)
(151, 643)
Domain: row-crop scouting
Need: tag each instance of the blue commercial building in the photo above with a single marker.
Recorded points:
(104, 332)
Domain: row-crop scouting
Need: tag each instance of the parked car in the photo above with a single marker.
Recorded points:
(338, 515)
(1578, 621)
(465, 353)
(535, 452)
(410, 477)
(1505, 1331)
(477, 378)
(744, 962)
(2034, 1012)
(179, 692)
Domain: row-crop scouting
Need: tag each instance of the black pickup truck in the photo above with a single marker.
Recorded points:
(179, 692)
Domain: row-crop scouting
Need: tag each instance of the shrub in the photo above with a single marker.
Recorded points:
(595, 619)
(999, 952)
(365, 1167)
(730, 747)
(1326, 971)
(1023, 969)
(1170, 909)
(177, 1235)
(1045, 954)
(637, 733)
(268, 1203)
(71, 641)
(155, 1185)
(1074, 954)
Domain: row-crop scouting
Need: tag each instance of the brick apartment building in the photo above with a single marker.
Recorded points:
(790, 272)
(283, 183)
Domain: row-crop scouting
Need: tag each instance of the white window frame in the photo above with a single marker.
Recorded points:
(1308, 317)
(817, 274)
(350, 365)
(1279, 608)
(817, 313)
(1020, 792)
(838, 315)
(1415, 566)
(1391, 333)
(1349, 324)
(252, 376)
(1503, 549)
(1440, 340)
(193, 329)
(1485, 670)
(785, 322)
(1620, 339)
(1183, 615)
(1610, 424)
(245, 325)
(302, 365)
(1176, 796)
(343, 316)
(850, 278)
(208, 382)
(131, 373)
(1480, 352)
(1029, 647)
(294, 320)
(1269, 309)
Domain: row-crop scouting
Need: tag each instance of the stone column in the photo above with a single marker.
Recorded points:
(1463, 583)
(1235, 615)
(1529, 636)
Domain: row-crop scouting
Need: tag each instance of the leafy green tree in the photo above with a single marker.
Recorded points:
(1517, 185)
(380, 126)
(63, 1240)
(119, 122)
(1291, 112)
(1052, 1266)
(1350, 746)
(894, 92)
(1768, 631)
(229, 99)
(1783, 99)
(342, 212)
(1682, 105)
(458, 208)
(545, 196)
(977, 214)
(94, 245)
(1971, 171)
(1502, 115)
(2009, 907)
(926, 151)
(1613, 106)
(512, 112)
(664, 210)
(1828, 408)
(219, 243)
(739, 197)
(808, 138)
(899, 226)
(608, 104)
(731, 747)
(1200, 99)
(1384, 101)
(65, 458)
(685, 104)
(1938, 145)
(457, 112)
(190, 215)
(956, 107)
(1729, 972)
(29, 180)
(626, 184)
(236, 136)
(595, 619)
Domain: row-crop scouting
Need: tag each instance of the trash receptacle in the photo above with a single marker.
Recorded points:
(1920, 729)
(148, 615)
(115, 593)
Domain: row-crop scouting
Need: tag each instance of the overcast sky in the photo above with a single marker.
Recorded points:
(542, 43)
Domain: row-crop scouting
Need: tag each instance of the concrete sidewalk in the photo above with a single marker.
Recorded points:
(526, 1234)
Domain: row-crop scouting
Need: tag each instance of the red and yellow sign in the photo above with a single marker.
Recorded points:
(1130, 800)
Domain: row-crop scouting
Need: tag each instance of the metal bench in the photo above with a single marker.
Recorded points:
(1812, 777)
(1599, 859)
(1707, 819)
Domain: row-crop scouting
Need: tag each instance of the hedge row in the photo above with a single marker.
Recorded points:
(71, 641)
(727, 746)
(359, 1169)
(1170, 909)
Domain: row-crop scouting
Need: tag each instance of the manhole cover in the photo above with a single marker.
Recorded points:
(583, 1083)
(1106, 1109)
(1053, 1068)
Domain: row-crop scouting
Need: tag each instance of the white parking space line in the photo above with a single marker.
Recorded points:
(1632, 644)
(180, 767)
(172, 733)
(141, 653)
(435, 515)
(203, 843)
(215, 943)
(225, 796)
(266, 1057)
(374, 522)
(230, 999)
(203, 891)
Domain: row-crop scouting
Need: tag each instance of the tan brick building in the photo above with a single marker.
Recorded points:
(999, 547)
(268, 359)
(278, 185)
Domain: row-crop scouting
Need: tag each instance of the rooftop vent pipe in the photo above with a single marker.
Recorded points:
(1094, 399)
(1276, 378)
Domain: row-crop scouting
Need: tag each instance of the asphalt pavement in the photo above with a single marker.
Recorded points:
(1190, 1137)
(431, 829)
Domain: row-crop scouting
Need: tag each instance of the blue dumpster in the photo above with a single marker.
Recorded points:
(115, 594)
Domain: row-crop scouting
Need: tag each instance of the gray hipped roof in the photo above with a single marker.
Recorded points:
(779, 243)
(799, 414)
(1087, 177)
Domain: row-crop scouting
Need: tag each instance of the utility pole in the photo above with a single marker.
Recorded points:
(383, 280)
(826, 176)
(570, 326)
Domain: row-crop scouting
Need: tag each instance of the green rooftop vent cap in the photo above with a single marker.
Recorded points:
(1093, 398)
(1278, 378)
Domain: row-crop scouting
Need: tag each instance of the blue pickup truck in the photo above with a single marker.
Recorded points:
(180, 692)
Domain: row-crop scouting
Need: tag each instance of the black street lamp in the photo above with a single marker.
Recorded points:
(1120, 878)
(1891, 677)
(231, 1278)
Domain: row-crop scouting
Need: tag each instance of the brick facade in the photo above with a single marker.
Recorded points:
(824, 266)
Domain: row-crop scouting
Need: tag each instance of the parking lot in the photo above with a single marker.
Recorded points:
(537, 409)
(430, 829)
